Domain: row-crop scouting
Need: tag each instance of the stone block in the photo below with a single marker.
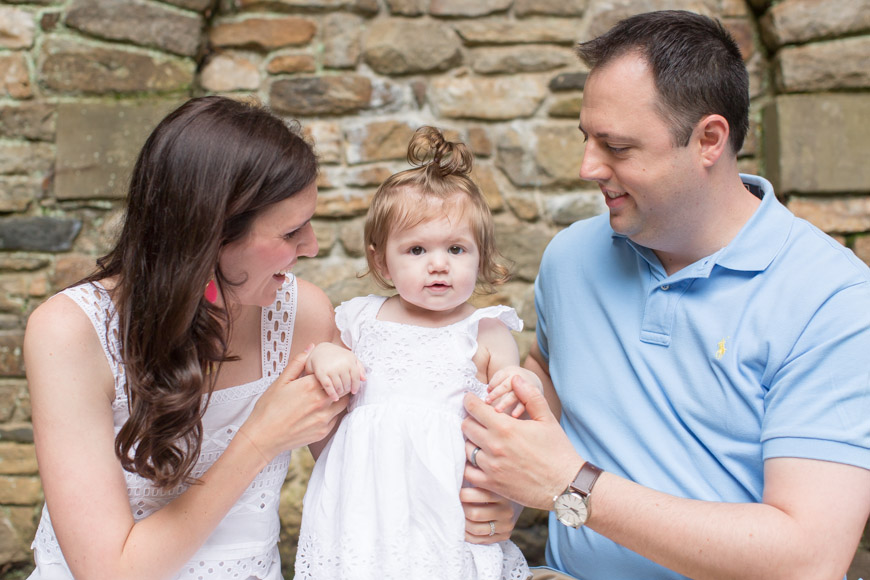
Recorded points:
(531, 30)
(19, 433)
(263, 33)
(487, 179)
(742, 31)
(38, 233)
(378, 141)
(510, 59)
(97, 145)
(75, 66)
(523, 204)
(17, 529)
(407, 7)
(479, 142)
(818, 143)
(566, 108)
(342, 204)
(836, 64)
(20, 490)
(291, 63)
(524, 8)
(34, 121)
(361, 6)
(467, 9)
(18, 158)
(601, 16)
(16, 28)
(17, 459)
(523, 243)
(138, 22)
(541, 155)
(17, 192)
(798, 21)
(11, 361)
(567, 208)
(226, 72)
(399, 46)
(487, 98)
(367, 175)
(862, 250)
(327, 139)
(341, 40)
(351, 235)
(569, 81)
(328, 95)
(833, 214)
(197, 5)
(70, 268)
(15, 76)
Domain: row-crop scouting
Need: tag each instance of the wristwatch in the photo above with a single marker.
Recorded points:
(573, 505)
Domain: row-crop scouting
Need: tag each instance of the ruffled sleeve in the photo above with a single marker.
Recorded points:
(349, 315)
(507, 315)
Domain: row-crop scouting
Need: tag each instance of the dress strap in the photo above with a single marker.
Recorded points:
(277, 328)
(95, 301)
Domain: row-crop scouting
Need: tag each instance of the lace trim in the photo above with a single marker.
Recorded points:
(347, 559)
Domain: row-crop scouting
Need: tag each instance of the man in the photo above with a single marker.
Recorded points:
(711, 352)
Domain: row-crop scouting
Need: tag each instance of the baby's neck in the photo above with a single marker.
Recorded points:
(396, 309)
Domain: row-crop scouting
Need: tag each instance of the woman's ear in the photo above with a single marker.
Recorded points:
(713, 132)
(378, 260)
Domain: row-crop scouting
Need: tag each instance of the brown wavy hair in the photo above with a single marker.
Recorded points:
(442, 171)
(204, 174)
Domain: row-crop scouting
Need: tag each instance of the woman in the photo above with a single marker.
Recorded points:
(165, 387)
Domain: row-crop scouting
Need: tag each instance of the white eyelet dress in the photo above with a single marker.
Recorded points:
(383, 498)
(244, 545)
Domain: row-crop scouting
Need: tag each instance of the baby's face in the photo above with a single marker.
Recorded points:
(433, 265)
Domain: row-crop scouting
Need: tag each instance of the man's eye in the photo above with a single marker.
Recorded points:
(616, 150)
(456, 250)
(417, 251)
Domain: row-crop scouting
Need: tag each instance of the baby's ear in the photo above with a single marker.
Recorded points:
(378, 260)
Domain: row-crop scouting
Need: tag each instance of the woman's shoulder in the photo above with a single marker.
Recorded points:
(315, 320)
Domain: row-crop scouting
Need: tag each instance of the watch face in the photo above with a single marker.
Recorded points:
(571, 509)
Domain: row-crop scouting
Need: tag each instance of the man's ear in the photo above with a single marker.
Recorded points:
(380, 264)
(712, 132)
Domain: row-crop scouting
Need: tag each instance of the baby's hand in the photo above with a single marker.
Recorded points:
(337, 369)
(501, 395)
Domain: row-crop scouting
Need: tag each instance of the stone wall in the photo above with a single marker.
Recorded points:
(83, 81)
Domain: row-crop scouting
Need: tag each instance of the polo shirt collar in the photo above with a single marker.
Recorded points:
(756, 244)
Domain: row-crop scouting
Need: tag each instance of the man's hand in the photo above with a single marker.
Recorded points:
(527, 461)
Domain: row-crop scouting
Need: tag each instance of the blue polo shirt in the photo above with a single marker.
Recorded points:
(687, 383)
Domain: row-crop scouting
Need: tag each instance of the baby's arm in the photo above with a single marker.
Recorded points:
(503, 363)
(336, 368)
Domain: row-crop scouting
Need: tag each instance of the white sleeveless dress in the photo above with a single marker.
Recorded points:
(244, 545)
(383, 498)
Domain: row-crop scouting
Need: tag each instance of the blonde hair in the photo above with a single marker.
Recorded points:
(441, 173)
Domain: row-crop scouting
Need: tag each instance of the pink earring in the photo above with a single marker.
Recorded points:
(211, 292)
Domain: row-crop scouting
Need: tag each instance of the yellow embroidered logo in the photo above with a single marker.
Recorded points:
(720, 351)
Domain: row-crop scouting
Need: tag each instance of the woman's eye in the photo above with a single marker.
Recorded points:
(417, 251)
(291, 235)
(456, 250)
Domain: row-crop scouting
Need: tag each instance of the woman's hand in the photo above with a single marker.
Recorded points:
(293, 412)
(489, 517)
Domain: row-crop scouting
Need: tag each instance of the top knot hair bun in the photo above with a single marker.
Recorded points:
(429, 149)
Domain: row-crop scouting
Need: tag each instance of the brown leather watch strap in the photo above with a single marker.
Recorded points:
(586, 478)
